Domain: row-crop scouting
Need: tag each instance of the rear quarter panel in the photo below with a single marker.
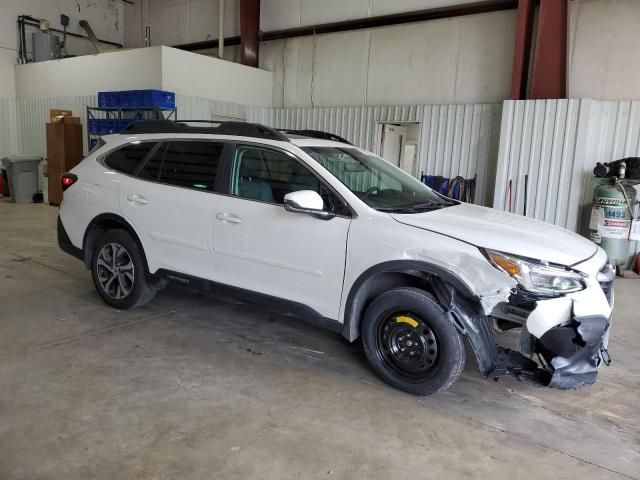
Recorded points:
(95, 192)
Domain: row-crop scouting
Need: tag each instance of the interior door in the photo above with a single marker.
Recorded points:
(393, 137)
(262, 247)
(171, 206)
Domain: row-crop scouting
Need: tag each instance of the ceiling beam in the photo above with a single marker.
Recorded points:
(487, 6)
(522, 51)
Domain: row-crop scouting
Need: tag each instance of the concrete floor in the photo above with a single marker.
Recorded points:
(196, 387)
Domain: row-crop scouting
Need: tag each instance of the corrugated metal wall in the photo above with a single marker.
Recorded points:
(33, 115)
(557, 143)
(454, 139)
(195, 108)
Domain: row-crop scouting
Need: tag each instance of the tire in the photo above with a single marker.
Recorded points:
(410, 342)
(129, 288)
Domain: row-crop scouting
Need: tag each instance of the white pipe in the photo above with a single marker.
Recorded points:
(221, 30)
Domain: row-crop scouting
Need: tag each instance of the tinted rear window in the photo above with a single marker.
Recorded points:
(127, 158)
(185, 164)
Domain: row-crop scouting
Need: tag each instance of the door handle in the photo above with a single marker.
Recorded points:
(228, 217)
(137, 199)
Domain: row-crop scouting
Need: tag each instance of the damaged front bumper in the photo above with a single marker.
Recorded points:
(575, 351)
(572, 332)
(568, 334)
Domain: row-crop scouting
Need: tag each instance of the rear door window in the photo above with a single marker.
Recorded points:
(185, 164)
(129, 157)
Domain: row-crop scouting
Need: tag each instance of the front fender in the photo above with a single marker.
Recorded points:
(380, 278)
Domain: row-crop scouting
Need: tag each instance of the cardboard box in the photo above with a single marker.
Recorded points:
(54, 113)
(66, 119)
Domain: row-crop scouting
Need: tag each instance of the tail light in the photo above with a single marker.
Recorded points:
(67, 180)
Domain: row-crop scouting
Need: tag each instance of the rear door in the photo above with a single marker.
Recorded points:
(260, 246)
(171, 202)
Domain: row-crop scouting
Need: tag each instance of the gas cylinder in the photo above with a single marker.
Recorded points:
(610, 221)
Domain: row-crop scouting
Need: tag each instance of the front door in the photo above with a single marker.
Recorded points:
(171, 205)
(260, 246)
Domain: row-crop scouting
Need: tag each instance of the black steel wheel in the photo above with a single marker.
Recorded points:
(408, 344)
(411, 343)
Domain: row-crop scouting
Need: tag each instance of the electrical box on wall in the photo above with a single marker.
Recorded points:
(46, 46)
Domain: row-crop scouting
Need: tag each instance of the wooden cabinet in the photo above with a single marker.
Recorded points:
(64, 151)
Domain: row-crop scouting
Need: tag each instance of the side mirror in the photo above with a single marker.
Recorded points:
(306, 201)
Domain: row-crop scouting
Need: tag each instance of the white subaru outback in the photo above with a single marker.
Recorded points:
(306, 221)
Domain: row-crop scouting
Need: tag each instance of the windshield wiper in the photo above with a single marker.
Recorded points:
(416, 207)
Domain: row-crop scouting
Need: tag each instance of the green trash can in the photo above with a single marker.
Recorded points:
(22, 171)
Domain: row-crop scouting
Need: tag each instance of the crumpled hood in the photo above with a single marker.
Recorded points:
(503, 231)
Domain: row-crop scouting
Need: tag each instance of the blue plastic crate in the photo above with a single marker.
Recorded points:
(137, 98)
(158, 98)
(129, 98)
(108, 99)
(103, 126)
(94, 126)
(147, 98)
(110, 126)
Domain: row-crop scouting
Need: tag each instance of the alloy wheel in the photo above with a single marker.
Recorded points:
(115, 270)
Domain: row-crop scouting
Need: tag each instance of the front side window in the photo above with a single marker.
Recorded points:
(267, 175)
(129, 157)
(185, 164)
(376, 182)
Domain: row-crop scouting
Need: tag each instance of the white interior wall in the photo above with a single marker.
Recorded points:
(281, 14)
(105, 16)
(604, 52)
(175, 22)
(199, 76)
(460, 60)
(223, 88)
(89, 74)
(154, 67)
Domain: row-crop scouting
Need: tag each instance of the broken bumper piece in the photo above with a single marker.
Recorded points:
(575, 351)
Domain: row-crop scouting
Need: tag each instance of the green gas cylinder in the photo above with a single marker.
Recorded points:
(610, 221)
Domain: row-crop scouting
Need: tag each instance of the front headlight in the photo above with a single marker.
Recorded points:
(537, 277)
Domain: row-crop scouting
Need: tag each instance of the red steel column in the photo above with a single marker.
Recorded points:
(522, 54)
(549, 77)
(249, 27)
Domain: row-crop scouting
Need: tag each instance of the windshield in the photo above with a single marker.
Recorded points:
(376, 182)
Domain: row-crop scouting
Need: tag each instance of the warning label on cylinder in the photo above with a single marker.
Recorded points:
(610, 228)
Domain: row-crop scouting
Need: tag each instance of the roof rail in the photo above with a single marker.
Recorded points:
(317, 134)
(241, 129)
